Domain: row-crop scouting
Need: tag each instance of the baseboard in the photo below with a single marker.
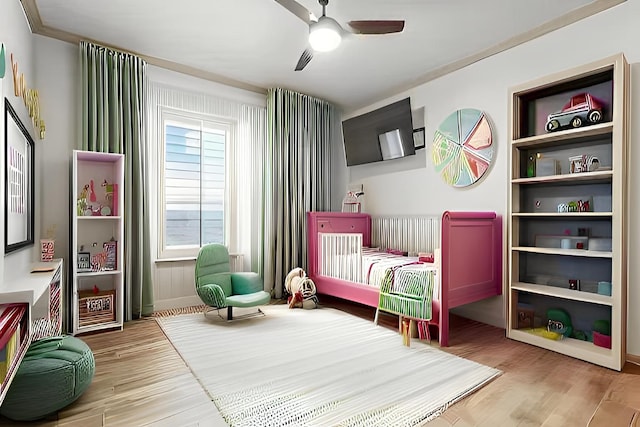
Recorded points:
(168, 304)
(489, 311)
(633, 358)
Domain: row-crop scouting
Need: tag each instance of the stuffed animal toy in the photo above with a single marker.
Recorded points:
(301, 289)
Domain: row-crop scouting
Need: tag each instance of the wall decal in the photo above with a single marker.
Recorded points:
(30, 97)
(462, 148)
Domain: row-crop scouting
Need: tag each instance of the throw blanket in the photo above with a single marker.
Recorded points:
(407, 290)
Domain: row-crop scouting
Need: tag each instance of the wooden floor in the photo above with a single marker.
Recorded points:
(140, 380)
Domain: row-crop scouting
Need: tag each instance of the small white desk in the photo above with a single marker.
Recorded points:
(42, 292)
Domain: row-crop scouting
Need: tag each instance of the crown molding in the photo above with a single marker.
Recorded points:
(37, 27)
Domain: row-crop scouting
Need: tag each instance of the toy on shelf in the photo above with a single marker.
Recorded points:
(583, 163)
(559, 321)
(602, 333)
(576, 206)
(108, 190)
(92, 194)
(581, 109)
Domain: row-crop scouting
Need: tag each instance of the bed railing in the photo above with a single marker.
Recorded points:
(341, 256)
(409, 233)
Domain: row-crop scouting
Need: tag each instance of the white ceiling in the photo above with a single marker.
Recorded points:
(255, 44)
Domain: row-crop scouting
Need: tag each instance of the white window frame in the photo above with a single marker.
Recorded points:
(186, 117)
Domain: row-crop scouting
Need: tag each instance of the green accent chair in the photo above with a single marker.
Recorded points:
(53, 373)
(219, 288)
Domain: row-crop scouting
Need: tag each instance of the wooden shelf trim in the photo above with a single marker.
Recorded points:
(562, 214)
(569, 178)
(584, 350)
(568, 252)
(569, 135)
(570, 294)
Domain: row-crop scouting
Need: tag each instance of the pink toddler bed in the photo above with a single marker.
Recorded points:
(468, 261)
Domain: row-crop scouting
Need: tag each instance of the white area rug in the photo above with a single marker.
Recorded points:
(319, 367)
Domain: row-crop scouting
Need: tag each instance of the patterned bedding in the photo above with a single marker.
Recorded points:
(376, 265)
(406, 285)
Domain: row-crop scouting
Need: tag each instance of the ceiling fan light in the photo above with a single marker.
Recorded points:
(324, 35)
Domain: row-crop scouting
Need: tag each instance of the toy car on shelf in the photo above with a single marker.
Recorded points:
(581, 109)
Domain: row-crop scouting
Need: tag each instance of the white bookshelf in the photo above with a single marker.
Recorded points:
(97, 295)
(539, 277)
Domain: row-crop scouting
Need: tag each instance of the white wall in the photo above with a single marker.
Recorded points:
(57, 75)
(17, 39)
(485, 86)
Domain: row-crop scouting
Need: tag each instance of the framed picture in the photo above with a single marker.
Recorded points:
(418, 138)
(84, 262)
(111, 250)
(19, 181)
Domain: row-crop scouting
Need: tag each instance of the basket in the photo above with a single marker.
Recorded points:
(96, 308)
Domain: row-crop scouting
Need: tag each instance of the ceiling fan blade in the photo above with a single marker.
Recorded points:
(297, 9)
(377, 27)
(304, 59)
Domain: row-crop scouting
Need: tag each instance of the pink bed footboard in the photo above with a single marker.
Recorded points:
(470, 268)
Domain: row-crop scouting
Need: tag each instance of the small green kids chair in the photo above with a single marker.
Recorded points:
(218, 287)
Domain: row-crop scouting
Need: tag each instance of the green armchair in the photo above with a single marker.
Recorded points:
(218, 287)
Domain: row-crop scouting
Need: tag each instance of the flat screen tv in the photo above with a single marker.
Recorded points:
(382, 134)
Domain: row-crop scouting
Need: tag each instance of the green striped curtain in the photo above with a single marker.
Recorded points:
(113, 85)
(297, 177)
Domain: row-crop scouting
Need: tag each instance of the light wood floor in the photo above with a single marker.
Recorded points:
(140, 380)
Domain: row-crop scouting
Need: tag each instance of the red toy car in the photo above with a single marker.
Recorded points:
(581, 109)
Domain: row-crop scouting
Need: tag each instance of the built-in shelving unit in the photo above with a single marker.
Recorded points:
(567, 245)
(36, 291)
(97, 242)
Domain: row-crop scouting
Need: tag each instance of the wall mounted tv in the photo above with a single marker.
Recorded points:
(382, 134)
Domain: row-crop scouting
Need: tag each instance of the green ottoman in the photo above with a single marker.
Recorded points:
(54, 372)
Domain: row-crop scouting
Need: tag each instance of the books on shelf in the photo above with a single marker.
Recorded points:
(11, 316)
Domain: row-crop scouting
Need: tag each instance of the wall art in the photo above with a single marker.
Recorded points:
(19, 182)
(462, 149)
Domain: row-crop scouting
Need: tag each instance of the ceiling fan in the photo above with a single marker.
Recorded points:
(325, 33)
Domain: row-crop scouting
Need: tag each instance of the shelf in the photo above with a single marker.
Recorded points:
(4, 386)
(98, 218)
(572, 215)
(41, 292)
(554, 291)
(98, 273)
(584, 350)
(99, 327)
(24, 286)
(572, 178)
(565, 136)
(567, 252)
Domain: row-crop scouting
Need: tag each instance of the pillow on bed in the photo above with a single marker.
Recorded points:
(396, 252)
(425, 257)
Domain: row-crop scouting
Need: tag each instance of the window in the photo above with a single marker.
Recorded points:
(194, 183)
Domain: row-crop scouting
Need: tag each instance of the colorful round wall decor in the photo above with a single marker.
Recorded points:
(462, 147)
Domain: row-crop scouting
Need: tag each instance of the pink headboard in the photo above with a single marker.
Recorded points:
(334, 222)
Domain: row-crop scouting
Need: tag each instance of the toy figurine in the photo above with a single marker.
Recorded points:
(92, 195)
(559, 321)
(108, 190)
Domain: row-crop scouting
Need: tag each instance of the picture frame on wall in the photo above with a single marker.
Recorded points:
(19, 182)
(418, 138)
